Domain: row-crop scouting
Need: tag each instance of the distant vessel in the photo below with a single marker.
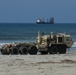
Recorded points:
(41, 21)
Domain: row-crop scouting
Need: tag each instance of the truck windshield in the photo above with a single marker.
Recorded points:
(68, 39)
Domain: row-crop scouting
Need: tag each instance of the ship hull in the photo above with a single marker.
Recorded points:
(44, 23)
(41, 21)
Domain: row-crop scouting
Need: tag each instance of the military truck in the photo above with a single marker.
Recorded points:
(52, 44)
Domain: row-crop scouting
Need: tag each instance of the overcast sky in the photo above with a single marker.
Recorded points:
(25, 11)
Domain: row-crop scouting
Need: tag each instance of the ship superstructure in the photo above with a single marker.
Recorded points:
(41, 21)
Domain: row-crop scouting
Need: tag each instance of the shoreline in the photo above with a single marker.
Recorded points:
(58, 64)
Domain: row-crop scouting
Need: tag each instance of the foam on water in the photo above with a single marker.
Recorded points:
(23, 41)
(74, 45)
(3, 42)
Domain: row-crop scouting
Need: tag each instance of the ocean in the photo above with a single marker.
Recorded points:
(27, 32)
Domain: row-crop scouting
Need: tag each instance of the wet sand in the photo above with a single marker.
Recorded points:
(59, 64)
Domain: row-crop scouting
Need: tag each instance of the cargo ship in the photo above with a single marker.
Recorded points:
(41, 21)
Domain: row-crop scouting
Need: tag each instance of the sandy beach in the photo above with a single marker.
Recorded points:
(59, 64)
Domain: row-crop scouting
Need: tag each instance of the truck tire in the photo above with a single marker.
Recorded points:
(53, 50)
(62, 50)
(33, 50)
(23, 50)
(14, 50)
(4, 53)
(44, 52)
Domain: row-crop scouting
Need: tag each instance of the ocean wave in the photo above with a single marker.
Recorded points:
(17, 38)
(23, 41)
(3, 42)
(74, 45)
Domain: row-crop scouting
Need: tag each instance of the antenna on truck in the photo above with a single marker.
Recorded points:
(38, 33)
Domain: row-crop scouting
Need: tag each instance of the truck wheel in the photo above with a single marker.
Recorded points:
(44, 52)
(4, 53)
(33, 50)
(62, 50)
(14, 50)
(53, 50)
(23, 50)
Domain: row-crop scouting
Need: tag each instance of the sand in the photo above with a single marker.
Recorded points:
(59, 64)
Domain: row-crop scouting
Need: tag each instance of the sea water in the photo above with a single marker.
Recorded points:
(27, 32)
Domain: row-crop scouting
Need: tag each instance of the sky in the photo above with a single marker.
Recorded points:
(28, 11)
